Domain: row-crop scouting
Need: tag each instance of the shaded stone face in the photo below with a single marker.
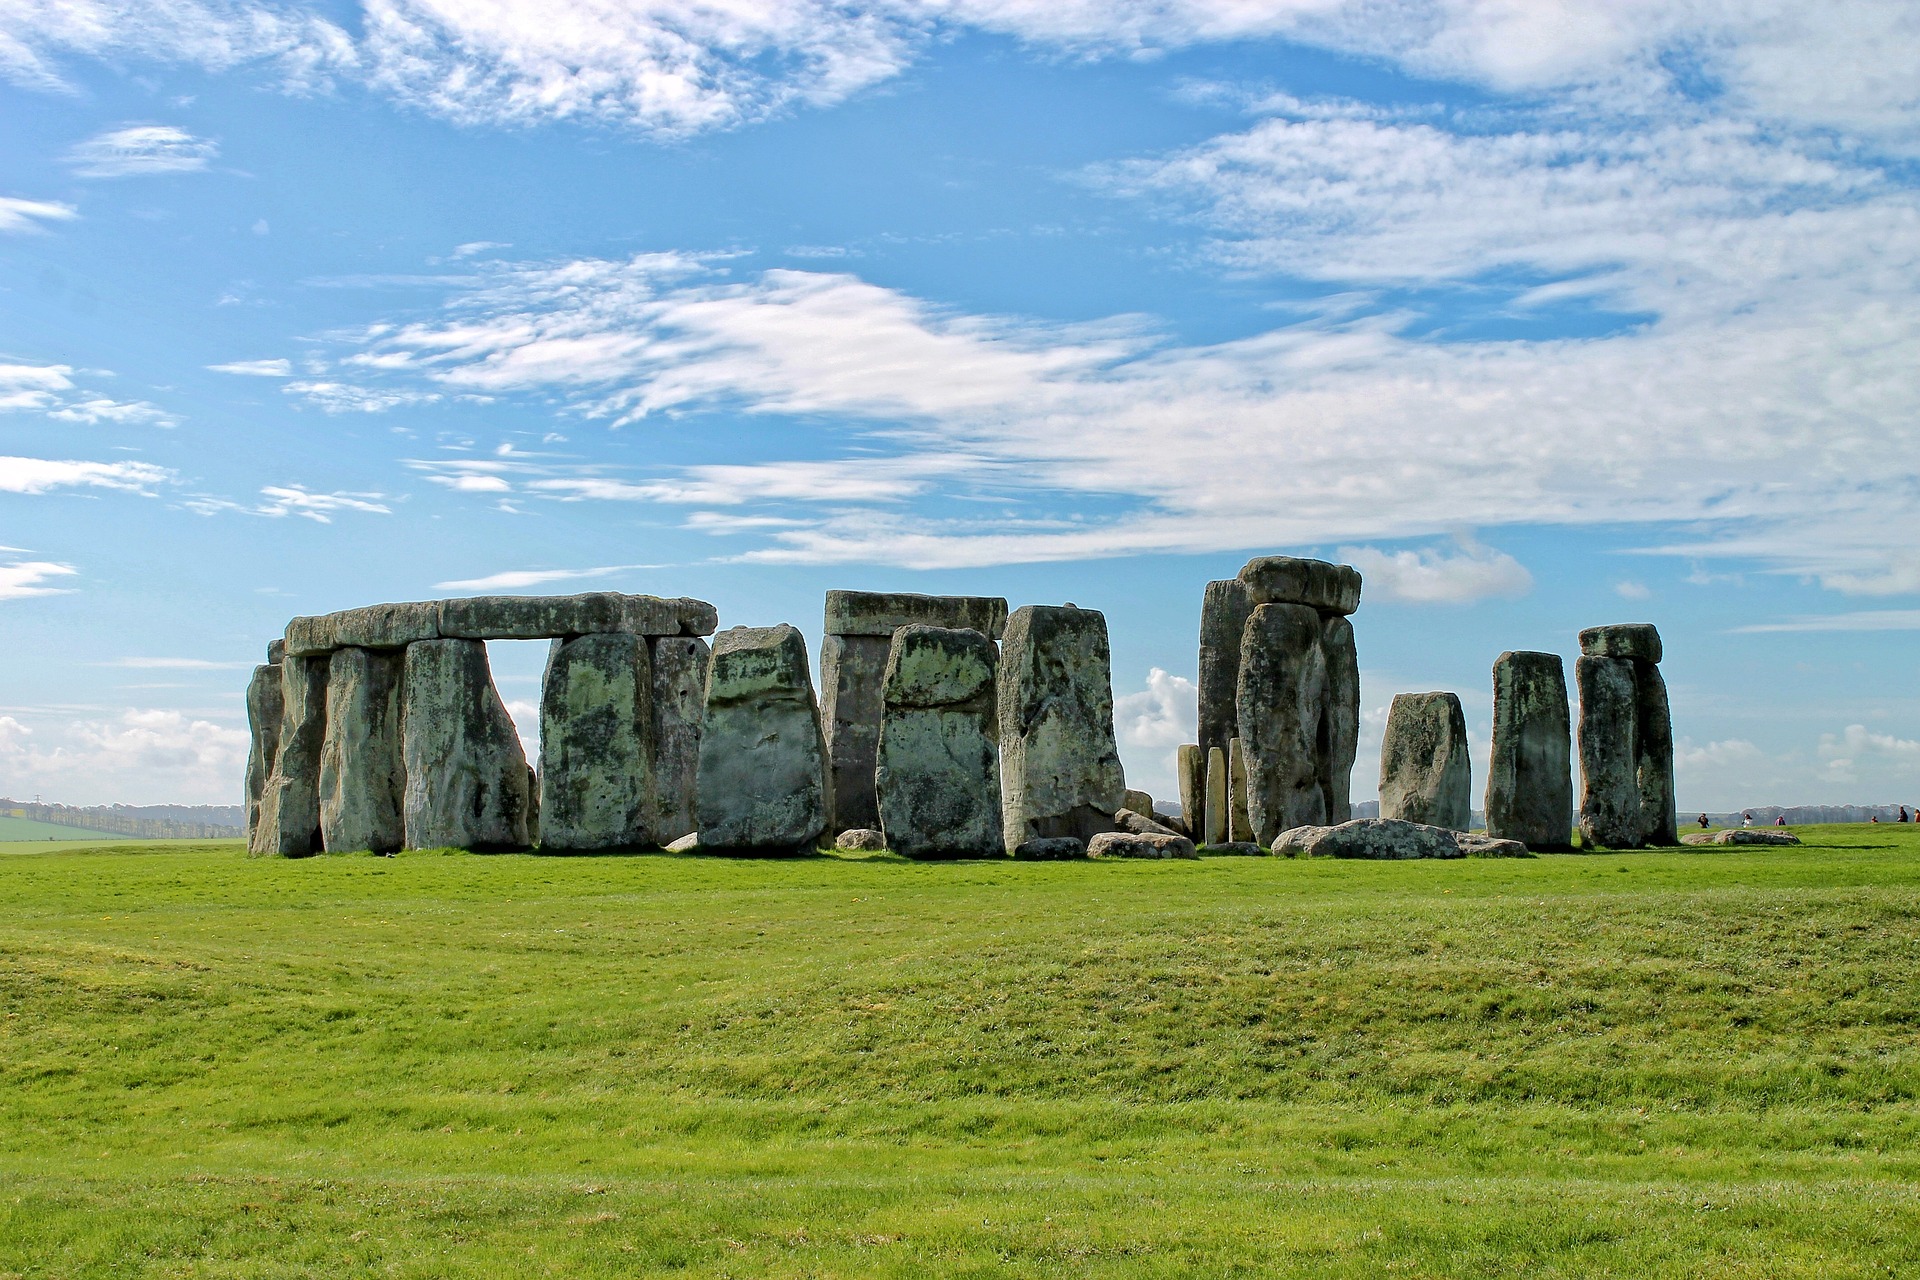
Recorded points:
(289, 819)
(1530, 769)
(1653, 755)
(263, 725)
(881, 613)
(1340, 733)
(1637, 640)
(1190, 763)
(937, 776)
(466, 771)
(1609, 785)
(1059, 768)
(1050, 849)
(1327, 588)
(590, 613)
(362, 775)
(1224, 611)
(596, 743)
(1425, 776)
(763, 761)
(1282, 703)
(679, 690)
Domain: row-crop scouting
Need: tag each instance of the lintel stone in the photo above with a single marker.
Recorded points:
(881, 613)
(1330, 588)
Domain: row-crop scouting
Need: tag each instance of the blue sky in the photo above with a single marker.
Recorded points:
(1544, 315)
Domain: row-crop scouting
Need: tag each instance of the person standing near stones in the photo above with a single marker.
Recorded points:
(1746, 820)
(1703, 822)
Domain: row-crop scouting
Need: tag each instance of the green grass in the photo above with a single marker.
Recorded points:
(1667, 1064)
(12, 829)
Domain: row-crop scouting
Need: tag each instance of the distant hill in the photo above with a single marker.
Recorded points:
(1801, 815)
(143, 822)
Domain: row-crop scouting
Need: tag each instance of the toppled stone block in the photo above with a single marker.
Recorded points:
(1127, 844)
(1637, 640)
(1059, 768)
(288, 823)
(1173, 822)
(881, 613)
(687, 843)
(1138, 802)
(861, 840)
(1424, 772)
(1050, 849)
(1129, 821)
(763, 761)
(679, 696)
(937, 775)
(466, 771)
(263, 728)
(1328, 588)
(1282, 700)
(1740, 835)
(363, 777)
(596, 743)
(1530, 769)
(1234, 849)
(1388, 839)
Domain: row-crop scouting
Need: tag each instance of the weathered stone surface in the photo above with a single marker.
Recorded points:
(386, 626)
(533, 805)
(263, 725)
(1340, 730)
(685, 844)
(276, 651)
(1329, 588)
(1653, 755)
(1224, 611)
(308, 636)
(1282, 701)
(1530, 769)
(862, 840)
(363, 778)
(466, 771)
(1173, 822)
(1425, 776)
(763, 762)
(1059, 767)
(697, 617)
(1126, 844)
(550, 617)
(1234, 849)
(1386, 838)
(881, 613)
(1141, 825)
(1239, 814)
(679, 695)
(1741, 835)
(1219, 797)
(1609, 787)
(1050, 849)
(289, 819)
(1190, 764)
(937, 774)
(596, 743)
(1637, 640)
(853, 673)
(1138, 802)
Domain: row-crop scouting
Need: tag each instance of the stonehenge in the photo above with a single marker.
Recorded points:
(1530, 766)
(466, 773)
(597, 743)
(1626, 739)
(763, 761)
(1059, 766)
(1424, 771)
(363, 778)
(937, 777)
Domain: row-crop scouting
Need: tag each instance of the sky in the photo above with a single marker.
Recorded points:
(1542, 314)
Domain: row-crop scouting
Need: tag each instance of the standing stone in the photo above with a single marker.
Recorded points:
(937, 775)
(596, 743)
(363, 779)
(1059, 768)
(1653, 755)
(1530, 768)
(289, 820)
(763, 762)
(1340, 734)
(466, 770)
(263, 725)
(1425, 776)
(1282, 702)
(679, 690)
(533, 806)
(1609, 786)
(1219, 791)
(1190, 763)
(1224, 610)
(1239, 812)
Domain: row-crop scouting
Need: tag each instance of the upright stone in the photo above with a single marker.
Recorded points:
(763, 762)
(1219, 791)
(363, 779)
(1060, 771)
(466, 770)
(937, 776)
(289, 820)
(1239, 810)
(1282, 702)
(679, 690)
(263, 725)
(1224, 610)
(1530, 769)
(596, 743)
(1340, 734)
(1425, 776)
(1653, 756)
(1190, 763)
(1609, 785)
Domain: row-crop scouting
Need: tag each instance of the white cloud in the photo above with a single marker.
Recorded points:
(41, 475)
(30, 215)
(513, 579)
(1461, 574)
(139, 150)
(1858, 620)
(33, 386)
(477, 246)
(143, 756)
(177, 664)
(1630, 590)
(26, 578)
(276, 368)
(286, 500)
(99, 409)
(341, 397)
(1858, 755)
(1150, 724)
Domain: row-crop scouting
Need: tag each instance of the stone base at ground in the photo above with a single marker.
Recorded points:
(1126, 844)
(1050, 849)
(1388, 839)
(1740, 835)
(861, 840)
(1233, 849)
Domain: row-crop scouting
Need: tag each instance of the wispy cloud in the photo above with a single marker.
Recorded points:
(342, 397)
(295, 500)
(175, 664)
(1457, 574)
(1859, 620)
(140, 150)
(42, 475)
(32, 215)
(99, 409)
(275, 368)
(513, 579)
(26, 578)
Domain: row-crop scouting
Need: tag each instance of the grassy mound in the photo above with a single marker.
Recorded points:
(1677, 1063)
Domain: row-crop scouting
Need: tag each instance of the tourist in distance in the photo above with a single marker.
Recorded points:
(1780, 821)
(1703, 822)
(1746, 820)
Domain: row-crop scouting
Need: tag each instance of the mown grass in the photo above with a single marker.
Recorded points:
(1675, 1063)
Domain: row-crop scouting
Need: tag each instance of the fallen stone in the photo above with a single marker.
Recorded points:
(763, 762)
(1173, 822)
(1340, 732)
(1740, 835)
(1530, 769)
(288, 823)
(553, 617)
(685, 844)
(1224, 610)
(1129, 821)
(861, 840)
(1139, 802)
(1059, 768)
(937, 773)
(596, 743)
(1609, 752)
(679, 695)
(1282, 701)
(1637, 640)
(1127, 844)
(1425, 776)
(466, 771)
(881, 613)
(1329, 588)
(1050, 849)
(1219, 791)
(1190, 765)
(263, 727)
(363, 778)
(1233, 849)
(1385, 838)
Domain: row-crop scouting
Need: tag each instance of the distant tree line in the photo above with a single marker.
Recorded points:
(146, 822)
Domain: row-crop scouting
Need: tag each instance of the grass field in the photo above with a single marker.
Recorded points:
(14, 829)
(1673, 1063)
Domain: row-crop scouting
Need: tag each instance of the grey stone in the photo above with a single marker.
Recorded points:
(1653, 755)
(1740, 835)
(1609, 786)
(1530, 769)
(1637, 640)
(1127, 844)
(679, 694)
(288, 823)
(596, 743)
(685, 844)
(533, 805)
(1340, 732)
(1387, 838)
(1050, 849)
(1425, 776)
(697, 617)
(1219, 797)
(862, 840)
(881, 613)
(852, 675)
(1282, 702)
(376, 626)
(263, 725)
(276, 651)
(551, 617)
(1059, 768)
(466, 770)
(1138, 824)
(1224, 611)
(763, 762)
(1137, 802)
(363, 778)
(1234, 849)
(1173, 822)
(937, 773)
(1190, 763)
(1329, 588)
(1239, 812)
